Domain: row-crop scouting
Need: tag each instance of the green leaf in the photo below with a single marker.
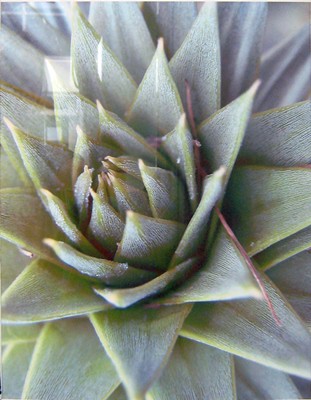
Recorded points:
(195, 371)
(123, 298)
(178, 145)
(81, 192)
(241, 29)
(224, 276)
(83, 372)
(157, 107)
(89, 152)
(128, 193)
(106, 225)
(268, 204)
(134, 341)
(98, 73)
(119, 393)
(247, 328)
(118, 133)
(9, 176)
(279, 137)
(13, 261)
(20, 333)
(197, 61)
(72, 110)
(27, 115)
(285, 249)
(290, 81)
(166, 193)
(195, 234)
(16, 360)
(126, 164)
(36, 28)
(14, 51)
(293, 278)
(148, 243)
(109, 272)
(26, 226)
(126, 34)
(170, 20)
(58, 212)
(222, 134)
(257, 382)
(58, 294)
(48, 165)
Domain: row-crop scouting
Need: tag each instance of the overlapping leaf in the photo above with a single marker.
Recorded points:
(126, 34)
(279, 137)
(200, 371)
(87, 373)
(276, 204)
(157, 107)
(200, 49)
(58, 294)
(129, 336)
(246, 328)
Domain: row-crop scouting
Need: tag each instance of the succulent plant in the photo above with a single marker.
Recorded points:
(155, 214)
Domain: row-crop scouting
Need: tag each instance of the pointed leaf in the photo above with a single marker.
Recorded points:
(293, 278)
(178, 144)
(276, 204)
(123, 298)
(157, 107)
(126, 164)
(86, 373)
(58, 294)
(47, 164)
(118, 133)
(148, 242)
(106, 226)
(27, 115)
(246, 328)
(72, 110)
(81, 192)
(285, 249)
(89, 152)
(166, 193)
(14, 51)
(241, 28)
(128, 193)
(290, 80)
(195, 371)
(222, 134)
(255, 381)
(279, 137)
(16, 360)
(195, 234)
(131, 336)
(198, 61)
(171, 20)
(126, 34)
(19, 210)
(58, 212)
(109, 272)
(20, 333)
(224, 276)
(98, 73)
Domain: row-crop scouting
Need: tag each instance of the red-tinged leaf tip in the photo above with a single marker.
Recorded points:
(250, 265)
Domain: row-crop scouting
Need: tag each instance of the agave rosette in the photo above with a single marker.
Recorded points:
(137, 287)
